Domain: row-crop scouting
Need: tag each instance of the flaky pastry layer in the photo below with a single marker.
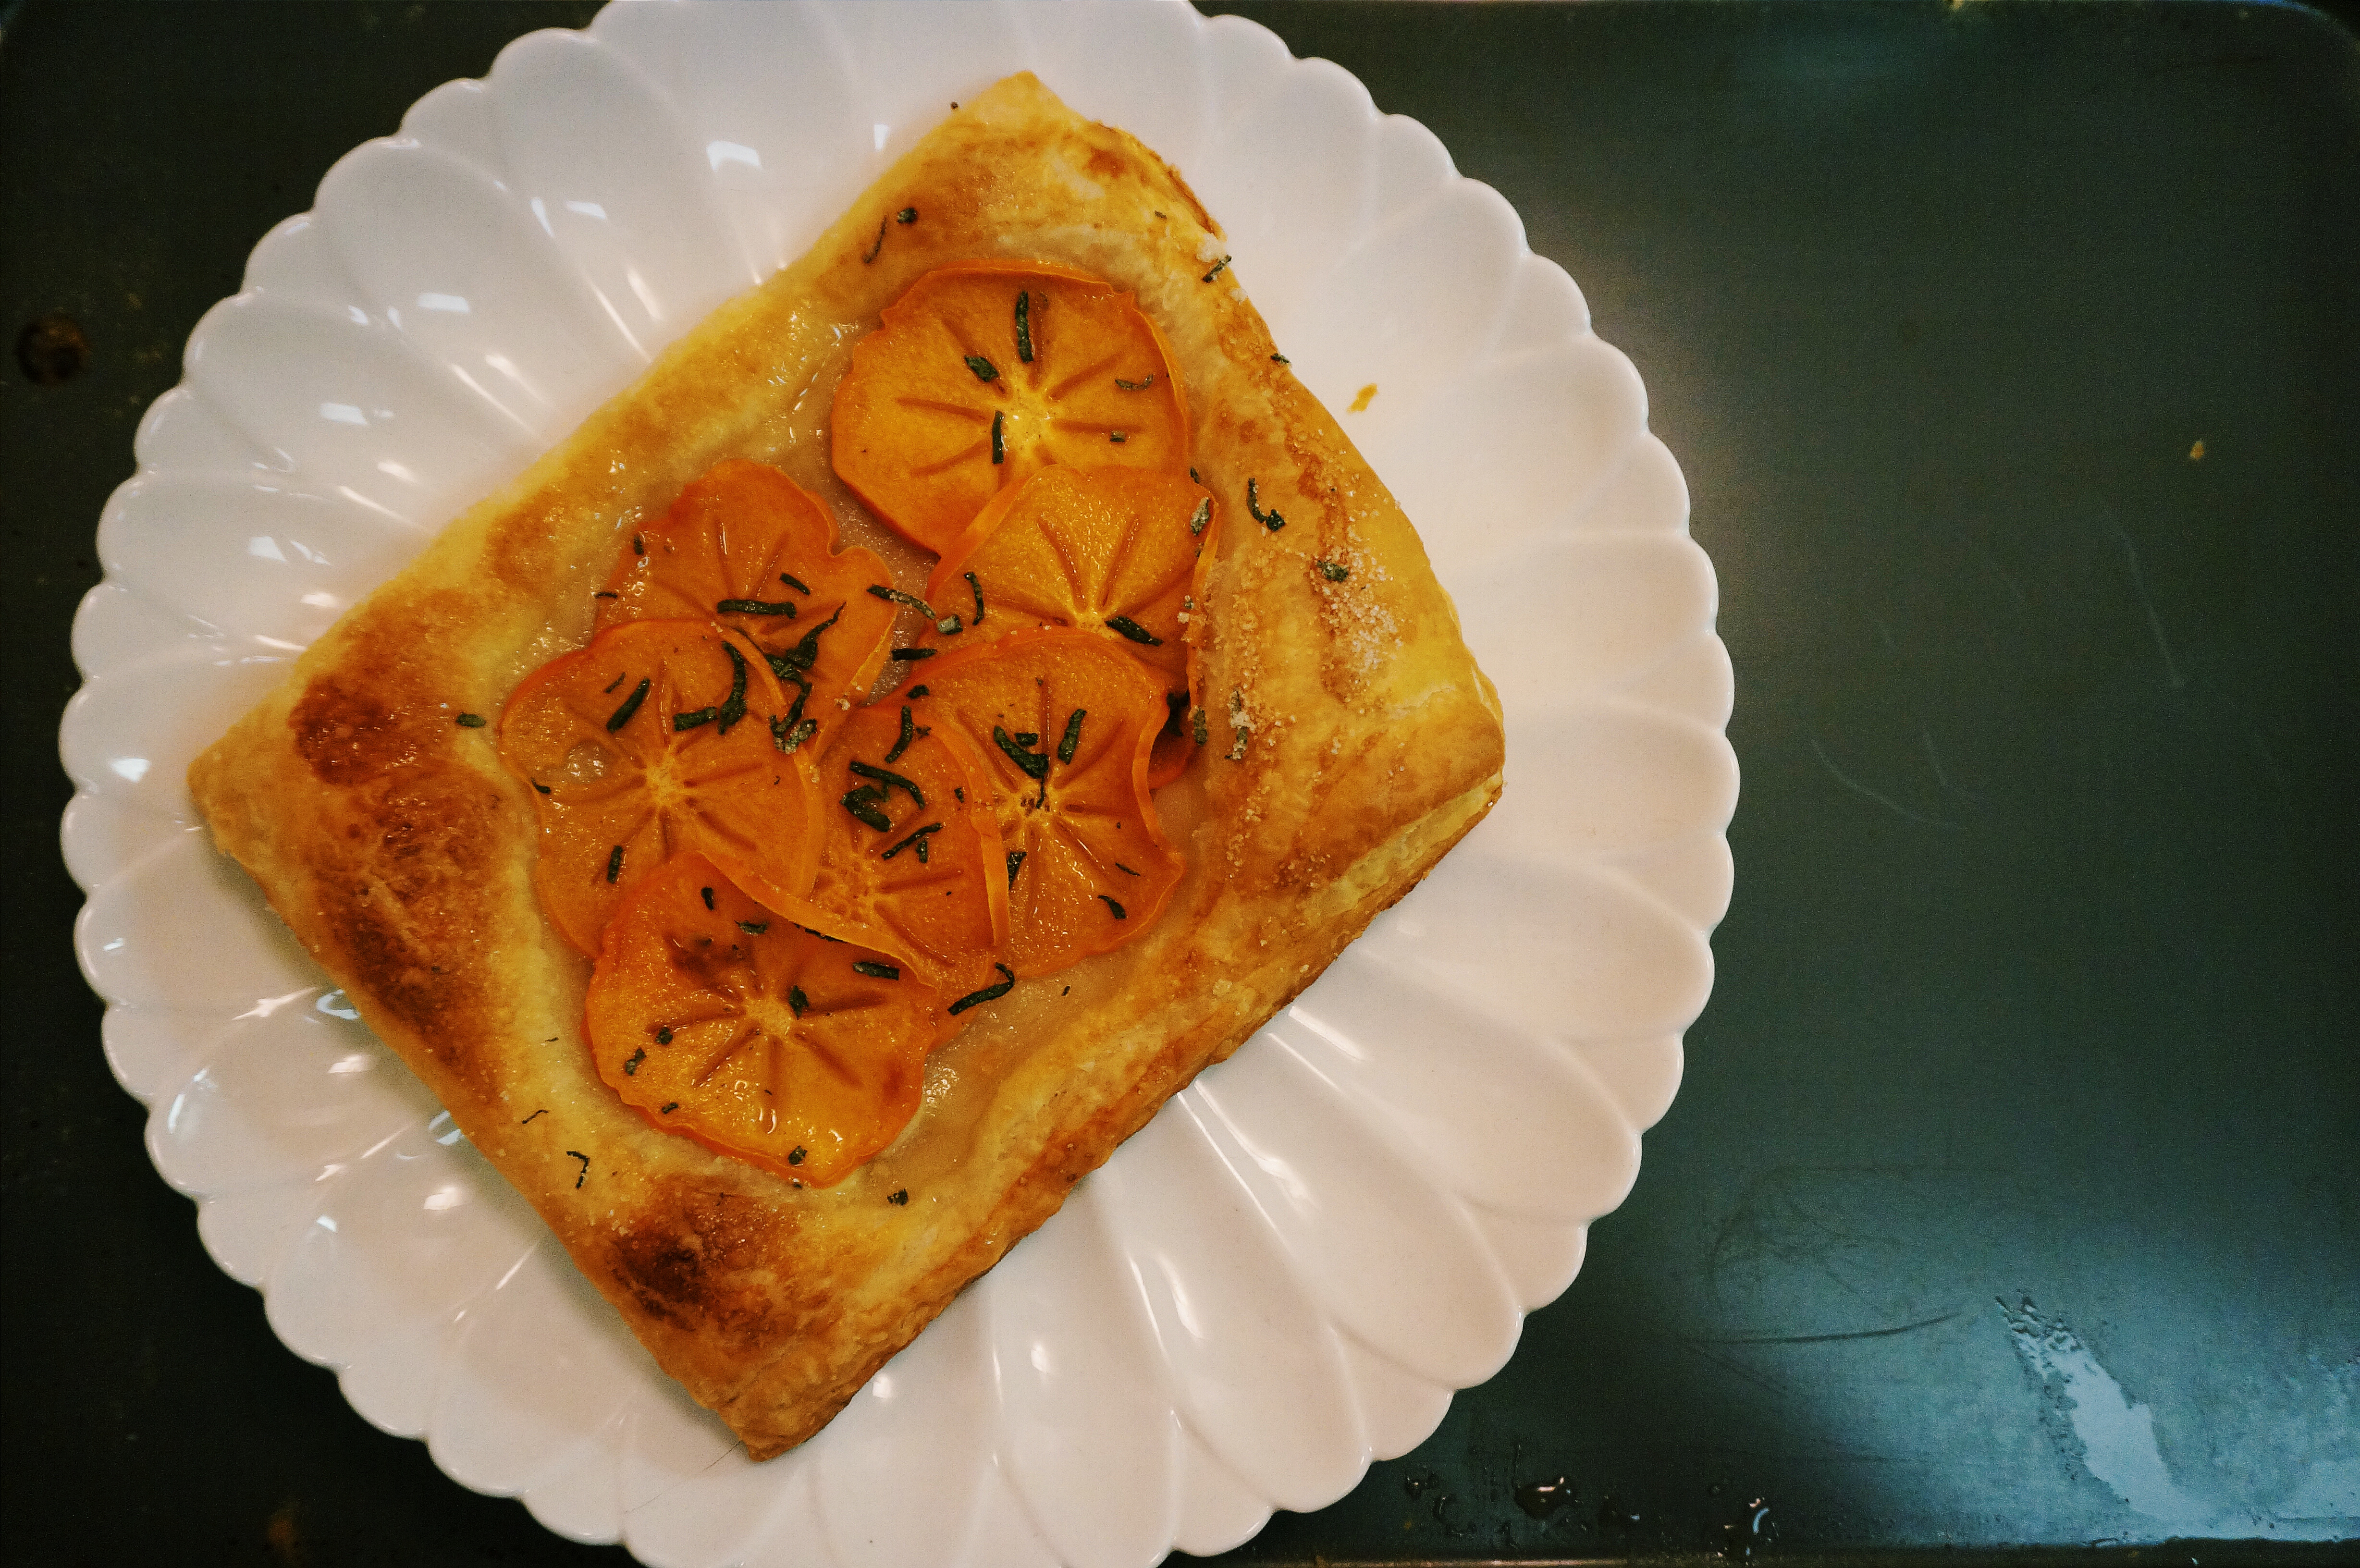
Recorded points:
(1353, 742)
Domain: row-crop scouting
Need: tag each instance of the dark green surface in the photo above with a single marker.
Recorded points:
(2038, 981)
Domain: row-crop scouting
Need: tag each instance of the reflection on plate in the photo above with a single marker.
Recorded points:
(1288, 1272)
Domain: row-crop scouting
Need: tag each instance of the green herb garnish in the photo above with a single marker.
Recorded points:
(794, 582)
(1280, 359)
(539, 786)
(796, 662)
(1334, 571)
(471, 721)
(984, 369)
(906, 215)
(622, 715)
(614, 863)
(909, 734)
(1024, 325)
(708, 896)
(693, 718)
(1118, 437)
(796, 1156)
(863, 803)
(1203, 515)
(631, 1068)
(889, 781)
(976, 588)
(1136, 385)
(1270, 519)
(1015, 859)
(999, 435)
(1133, 630)
(988, 994)
(753, 607)
(1217, 268)
(875, 970)
(916, 841)
(1034, 764)
(796, 1003)
(1111, 905)
(732, 706)
(638, 545)
(900, 1197)
(1073, 736)
(1198, 725)
(787, 734)
(753, 928)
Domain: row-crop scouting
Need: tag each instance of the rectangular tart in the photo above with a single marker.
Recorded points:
(1354, 741)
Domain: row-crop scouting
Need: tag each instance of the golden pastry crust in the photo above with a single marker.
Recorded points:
(1353, 741)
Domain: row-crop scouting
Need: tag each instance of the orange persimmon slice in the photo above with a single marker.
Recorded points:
(726, 1021)
(1120, 552)
(659, 736)
(1064, 720)
(747, 546)
(910, 845)
(986, 372)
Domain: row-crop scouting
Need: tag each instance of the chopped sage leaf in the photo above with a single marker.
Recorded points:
(1032, 763)
(950, 625)
(1111, 905)
(1073, 736)
(1217, 268)
(1015, 859)
(909, 734)
(1280, 359)
(795, 1157)
(976, 588)
(693, 718)
(1334, 571)
(916, 841)
(796, 1003)
(753, 928)
(1024, 325)
(617, 680)
(1198, 725)
(1133, 630)
(787, 734)
(1027, 737)
(614, 863)
(1237, 752)
(875, 970)
(1126, 870)
(988, 994)
(912, 653)
(638, 545)
(708, 896)
(1203, 515)
(663, 1036)
(794, 582)
(1118, 437)
(631, 1068)
(906, 215)
(999, 435)
(1270, 519)
(753, 607)
(471, 721)
(895, 596)
(984, 369)
(796, 662)
(889, 781)
(606, 593)
(900, 1197)
(670, 1106)
(622, 715)
(917, 692)
(1136, 385)
(539, 786)
(862, 803)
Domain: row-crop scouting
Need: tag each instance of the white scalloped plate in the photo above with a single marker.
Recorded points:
(1289, 1271)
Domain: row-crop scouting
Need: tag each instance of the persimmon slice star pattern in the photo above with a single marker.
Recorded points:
(910, 845)
(1064, 722)
(747, 546)
(659, 736)
(985, 373)
(722, 1019)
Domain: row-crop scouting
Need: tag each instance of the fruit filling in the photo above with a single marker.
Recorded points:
(780, 1043)
(986, 372)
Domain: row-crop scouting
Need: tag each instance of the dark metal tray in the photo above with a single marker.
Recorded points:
(2013, 355)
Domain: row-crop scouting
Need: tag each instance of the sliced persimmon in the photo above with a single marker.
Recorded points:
(659, 736)
(1064, 722)
(1120, 552)
(749, 547)
(910, 845)
(729, 1022)
(986, 372)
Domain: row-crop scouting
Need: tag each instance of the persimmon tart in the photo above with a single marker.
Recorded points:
(1242, 724)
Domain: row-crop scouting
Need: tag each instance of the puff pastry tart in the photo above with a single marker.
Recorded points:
(843, 789)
